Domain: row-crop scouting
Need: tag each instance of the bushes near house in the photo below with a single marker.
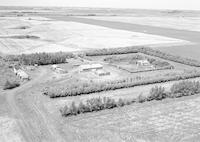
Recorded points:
(184, 88)
(166, 56)
(10, 85)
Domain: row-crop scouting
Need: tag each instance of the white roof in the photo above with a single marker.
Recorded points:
(90, 66)
(22, 73)
(143, 61)
(54, 66)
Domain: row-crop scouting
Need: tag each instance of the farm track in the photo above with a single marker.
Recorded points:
(36, 127)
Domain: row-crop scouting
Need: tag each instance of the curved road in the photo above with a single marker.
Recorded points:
(35, 126)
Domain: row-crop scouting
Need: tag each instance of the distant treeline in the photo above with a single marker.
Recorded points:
(40, 58)
(144, 50)
(184, 88)
(79, 88)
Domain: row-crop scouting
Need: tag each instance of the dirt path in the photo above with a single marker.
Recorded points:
(36, 127)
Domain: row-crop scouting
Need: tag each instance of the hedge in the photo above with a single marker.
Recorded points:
(87, 88)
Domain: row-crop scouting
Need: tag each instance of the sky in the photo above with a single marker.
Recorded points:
(140, 4)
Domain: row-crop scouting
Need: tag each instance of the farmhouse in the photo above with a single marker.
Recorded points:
(21, 74)
(90, 67)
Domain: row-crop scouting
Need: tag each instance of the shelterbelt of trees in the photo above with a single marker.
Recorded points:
(60, 57)
(80, 88)
(40, 58)
(144, 50)
(184, 88)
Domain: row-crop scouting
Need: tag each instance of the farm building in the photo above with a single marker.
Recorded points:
(90, 67)
(54, 67)
(143, 63)
(60, 70)
(21, 74)
(102, 72)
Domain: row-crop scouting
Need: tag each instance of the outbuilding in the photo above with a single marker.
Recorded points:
(102, 73)
(90, 67)
(22, 74)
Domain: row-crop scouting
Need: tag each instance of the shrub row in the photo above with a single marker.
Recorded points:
(94, 104)
(40, 58)
(163, 55)
(112, 51)
(184, 88)
(87, 88)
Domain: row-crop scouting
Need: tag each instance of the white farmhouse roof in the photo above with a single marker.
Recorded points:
(22, 74)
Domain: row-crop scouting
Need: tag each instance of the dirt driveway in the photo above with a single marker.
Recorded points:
(27, 109)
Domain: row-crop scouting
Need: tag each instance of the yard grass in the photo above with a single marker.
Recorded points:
(129, 63)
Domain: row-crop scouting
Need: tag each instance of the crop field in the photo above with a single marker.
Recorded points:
(36, 34)
(177, 22)
(158, 121)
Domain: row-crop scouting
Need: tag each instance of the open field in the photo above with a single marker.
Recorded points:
(189, 51)
(36, 34)
(158, 121)
(180, 23)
